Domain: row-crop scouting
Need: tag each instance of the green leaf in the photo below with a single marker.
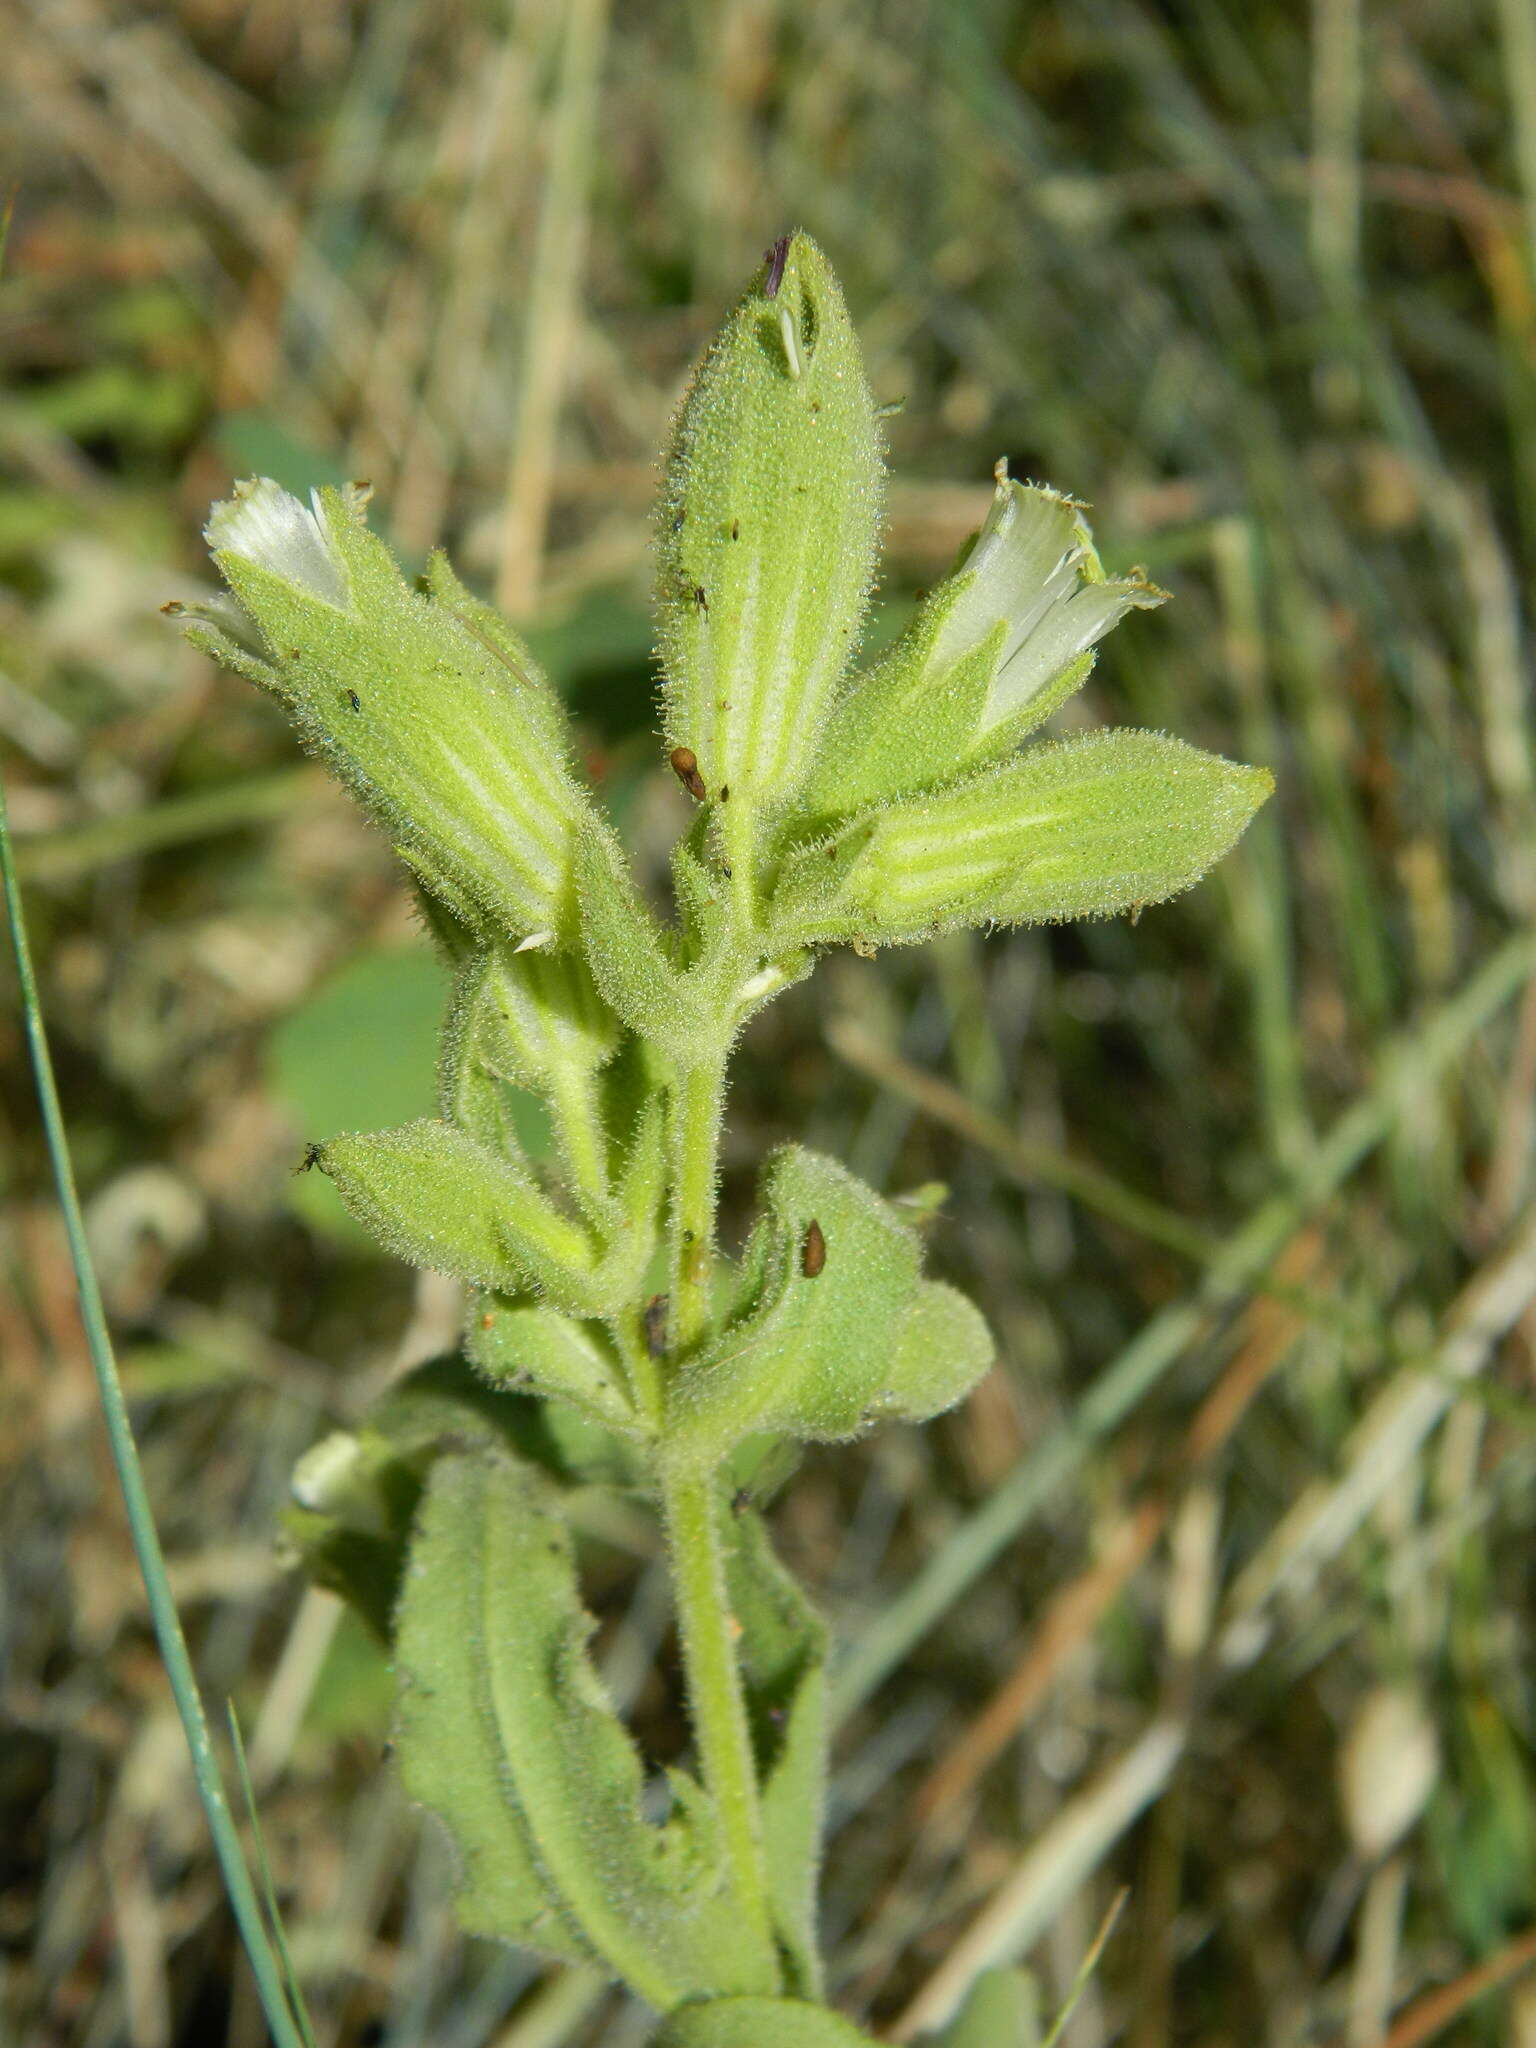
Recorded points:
(1105, 822)
(506, 1734)
(760, 2023)
(943, 1347)
(768, 530)
(354, 1494)
(424, 711)
(538, 1350)
(1002, 2010)
(550, 1023)
(823, 1352)
(434, 1196)
(532, 1020)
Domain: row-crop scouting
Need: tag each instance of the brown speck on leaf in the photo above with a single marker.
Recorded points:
(354, 700)
(813, 1250)
(699, 597)
(735, 529)
(725, 792)
(172, 608)
(685, 766)
(487, 1321)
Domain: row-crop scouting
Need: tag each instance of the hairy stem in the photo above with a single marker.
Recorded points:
(698, 1094)
(579, 1129)
(716, 1701)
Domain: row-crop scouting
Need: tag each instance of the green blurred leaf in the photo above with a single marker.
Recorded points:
(1001, 2010)
(759, 2023)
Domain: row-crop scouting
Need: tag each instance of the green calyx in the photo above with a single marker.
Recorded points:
(619, 1377)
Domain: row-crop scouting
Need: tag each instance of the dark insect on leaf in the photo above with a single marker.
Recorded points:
(813, 1250)
(310, 1160)
(655, 1320)
(354, 700)
(685, 766)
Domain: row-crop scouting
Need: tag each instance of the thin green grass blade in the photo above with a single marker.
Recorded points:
(125, 1457)
(1086, 1969)
(268, 1889)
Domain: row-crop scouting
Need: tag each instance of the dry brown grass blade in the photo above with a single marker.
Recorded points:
(1270, 1328)
(1435, 2011)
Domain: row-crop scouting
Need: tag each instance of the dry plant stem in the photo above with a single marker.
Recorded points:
(1436, 2010)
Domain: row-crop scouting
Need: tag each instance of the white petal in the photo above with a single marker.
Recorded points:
(263, 524)
(1029, 568)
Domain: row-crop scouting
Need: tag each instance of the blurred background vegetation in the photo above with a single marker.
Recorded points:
(1251, 1632)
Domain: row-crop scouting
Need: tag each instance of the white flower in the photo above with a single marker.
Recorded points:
(263, 524)
(1033, 567)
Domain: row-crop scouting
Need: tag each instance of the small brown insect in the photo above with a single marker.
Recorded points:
(735, 529)
(685, 766)
(700, 598)
(654, 1316)
(813, 1250)
(775, 258)
(310, 1160)
(354, 700)
(741, 1500)
(487, 1321)
(725, 792)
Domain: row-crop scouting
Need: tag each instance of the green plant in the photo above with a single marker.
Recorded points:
(609, 1344)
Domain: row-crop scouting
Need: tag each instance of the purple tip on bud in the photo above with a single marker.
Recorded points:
(776, 258)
